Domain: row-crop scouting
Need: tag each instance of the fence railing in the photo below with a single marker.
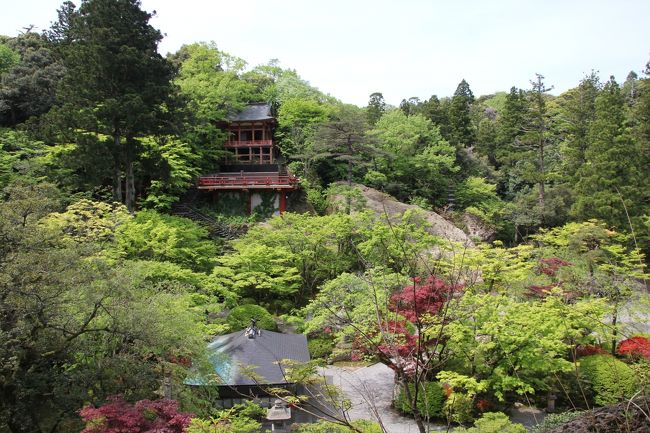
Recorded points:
(248, 179)
(248, 143)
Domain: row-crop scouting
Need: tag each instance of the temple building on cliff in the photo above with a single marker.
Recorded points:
(252, 179)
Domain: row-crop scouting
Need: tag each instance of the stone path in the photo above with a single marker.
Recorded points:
(370, 390)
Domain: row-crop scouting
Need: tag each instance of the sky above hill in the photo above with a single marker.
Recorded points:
(352, 48)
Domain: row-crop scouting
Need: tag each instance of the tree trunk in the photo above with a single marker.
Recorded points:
(117, 171)
(614, 331)
(542, 168)
(412, 399)
(130, 178)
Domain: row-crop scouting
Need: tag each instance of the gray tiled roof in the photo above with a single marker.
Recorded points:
(256, 111)
(262, 353)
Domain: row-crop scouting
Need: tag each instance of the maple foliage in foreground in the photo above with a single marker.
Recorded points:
(145, 416)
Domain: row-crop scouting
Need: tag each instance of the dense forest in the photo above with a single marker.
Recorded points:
(107, 298)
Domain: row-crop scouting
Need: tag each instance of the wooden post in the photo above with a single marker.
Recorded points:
(250, 204)
(283, 201)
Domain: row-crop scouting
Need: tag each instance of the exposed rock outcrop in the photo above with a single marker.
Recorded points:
(382, 203)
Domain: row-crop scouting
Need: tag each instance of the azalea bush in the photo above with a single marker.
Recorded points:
(635, 347)
(608, 378)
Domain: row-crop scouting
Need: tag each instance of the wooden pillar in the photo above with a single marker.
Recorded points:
(249, 205)
(283, 201)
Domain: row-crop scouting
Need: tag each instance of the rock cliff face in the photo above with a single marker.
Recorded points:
(383, 203)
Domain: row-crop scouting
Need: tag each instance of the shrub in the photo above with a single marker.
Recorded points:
(589, 349)
(240, 317)
(609, 379)
(458, 408)
(430, 402)
(329, 427)
(494, 422)
(635, 347)
(553, 420)
(320, 347)
(116, 415)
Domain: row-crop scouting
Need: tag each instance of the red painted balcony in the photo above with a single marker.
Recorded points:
(250, 180)
(249, 143)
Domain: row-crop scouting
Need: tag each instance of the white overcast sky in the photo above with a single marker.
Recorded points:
(351, 48)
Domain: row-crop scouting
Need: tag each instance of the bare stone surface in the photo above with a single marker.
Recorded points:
(382, 203)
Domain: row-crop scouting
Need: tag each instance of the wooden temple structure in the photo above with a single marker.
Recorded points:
(251, 174)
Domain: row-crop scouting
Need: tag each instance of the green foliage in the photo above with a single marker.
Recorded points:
(241, 418)
(610, 379)
(30, 71)
(320, 347)
(151, 235)
(78, 326)
(297, 120)
(232, 203)
(264, 273)
(8, 58)
(553, 420)
(17, 157)
(414, 157)
(459, 408)
(344, 198)
(503, 270)
(400, 244)
(494, 422)
(175, 169)
(266, 208)
(430, 400)
(349, 302)
(364, 426)
(88, 221)
(240, 317)
(124, 93)
(462, 132)
(316, 195)
(515, 345)
(318, 247)
(610, 182)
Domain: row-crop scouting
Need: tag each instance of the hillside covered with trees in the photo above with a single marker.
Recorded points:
(107, 298)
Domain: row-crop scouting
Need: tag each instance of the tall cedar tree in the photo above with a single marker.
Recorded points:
(461, 129)
(510, 126)
(116, 82)
(578, 109)
(537, 135)
(376, 107)
(609, 181)
(28, 83)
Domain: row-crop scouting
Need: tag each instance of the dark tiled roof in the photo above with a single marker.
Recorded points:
(262, 353)
(256, 111)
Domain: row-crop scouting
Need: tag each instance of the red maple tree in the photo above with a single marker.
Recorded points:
(145, 416)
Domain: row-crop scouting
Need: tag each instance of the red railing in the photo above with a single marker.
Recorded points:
(249, 143)
(249, 179)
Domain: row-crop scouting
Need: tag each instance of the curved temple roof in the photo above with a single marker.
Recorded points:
(261, 354)
(253, 112)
